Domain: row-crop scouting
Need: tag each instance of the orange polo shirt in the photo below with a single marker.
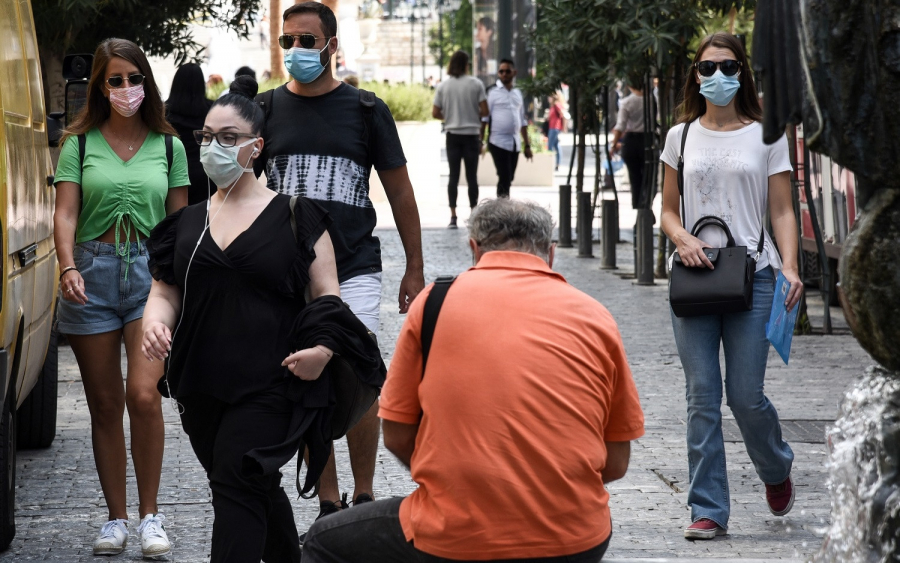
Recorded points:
(527, 377)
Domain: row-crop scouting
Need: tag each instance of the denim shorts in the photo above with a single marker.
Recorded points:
(116, 286)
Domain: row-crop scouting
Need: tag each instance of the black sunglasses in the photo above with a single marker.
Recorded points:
(307, 40)
(118, 81)
(708, 68)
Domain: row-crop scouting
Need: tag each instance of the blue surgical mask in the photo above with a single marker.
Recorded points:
(304, 65)
(719, 89)
(221, 163)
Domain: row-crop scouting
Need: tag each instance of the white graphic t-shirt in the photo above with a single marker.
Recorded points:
(726, 174)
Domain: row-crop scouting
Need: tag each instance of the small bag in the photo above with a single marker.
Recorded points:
(728, 288)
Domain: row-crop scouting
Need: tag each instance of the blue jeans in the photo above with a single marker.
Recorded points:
(553, 143)
(743, 337)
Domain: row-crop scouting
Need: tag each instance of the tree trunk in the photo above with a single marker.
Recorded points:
(53, 83)
(276, 56)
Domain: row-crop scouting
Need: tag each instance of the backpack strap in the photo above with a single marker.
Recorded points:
(82, 146)
(367, 104)
(265, 102)
(430, 314)
(170, 150)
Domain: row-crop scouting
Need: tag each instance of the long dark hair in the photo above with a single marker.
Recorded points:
(459, 64)
(96, 110)
(188, 94)
(746, 102)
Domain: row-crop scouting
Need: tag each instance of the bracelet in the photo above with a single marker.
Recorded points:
(323, 351)
(67, 269)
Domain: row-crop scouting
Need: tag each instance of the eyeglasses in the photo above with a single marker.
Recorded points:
(708, 68)
(307, 40)
(118, 81)
(224, 138)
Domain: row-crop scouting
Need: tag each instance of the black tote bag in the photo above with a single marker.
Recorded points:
(728, 287)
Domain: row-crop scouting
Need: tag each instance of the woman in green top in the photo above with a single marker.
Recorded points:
(122, 168)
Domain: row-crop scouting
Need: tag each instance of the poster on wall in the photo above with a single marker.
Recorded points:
(484, 64)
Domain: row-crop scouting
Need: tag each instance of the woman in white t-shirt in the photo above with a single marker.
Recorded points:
(729, 173)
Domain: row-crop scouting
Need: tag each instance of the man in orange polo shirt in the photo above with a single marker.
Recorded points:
(526, 409)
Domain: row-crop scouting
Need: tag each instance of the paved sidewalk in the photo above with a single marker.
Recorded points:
(60, 508)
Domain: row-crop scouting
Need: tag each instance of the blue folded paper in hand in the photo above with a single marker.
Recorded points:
(780, 328)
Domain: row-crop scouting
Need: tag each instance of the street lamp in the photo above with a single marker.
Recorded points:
(421, 11)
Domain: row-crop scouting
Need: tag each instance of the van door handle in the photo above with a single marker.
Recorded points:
(28, 255)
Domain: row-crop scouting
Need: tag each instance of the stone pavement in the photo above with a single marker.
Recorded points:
(60, 508)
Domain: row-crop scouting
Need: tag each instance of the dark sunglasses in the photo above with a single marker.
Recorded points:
(307, 40)
(708, 68)
(118, 81)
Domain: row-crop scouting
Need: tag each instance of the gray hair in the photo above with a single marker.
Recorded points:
(507, 224)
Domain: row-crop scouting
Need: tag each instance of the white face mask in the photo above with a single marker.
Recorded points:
(221, 163)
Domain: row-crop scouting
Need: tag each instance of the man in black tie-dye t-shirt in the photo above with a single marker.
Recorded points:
(316, 146)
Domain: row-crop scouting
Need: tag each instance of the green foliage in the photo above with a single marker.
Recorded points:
(457, 27)
(535, 139)
(406, 102)
(160, 27)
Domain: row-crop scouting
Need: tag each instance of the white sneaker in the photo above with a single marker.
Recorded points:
(112, 539)
(154, 541)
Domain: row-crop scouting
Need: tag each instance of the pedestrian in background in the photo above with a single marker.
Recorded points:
(321, 142)
(731, 174)
(506, 122)
(511, 443)
(556, 119)
(460, 101)
(628, 137)
(186, 109)
(106, 205)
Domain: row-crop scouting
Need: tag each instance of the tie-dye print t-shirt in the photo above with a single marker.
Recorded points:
(726, 174)
(315, 147)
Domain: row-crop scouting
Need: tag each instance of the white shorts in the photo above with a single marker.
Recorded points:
(363, 295)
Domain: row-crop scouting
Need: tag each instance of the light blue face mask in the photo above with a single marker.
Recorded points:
(305, 65)
(719, 89)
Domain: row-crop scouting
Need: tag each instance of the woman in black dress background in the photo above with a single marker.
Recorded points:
(227, 309)
(186, 110)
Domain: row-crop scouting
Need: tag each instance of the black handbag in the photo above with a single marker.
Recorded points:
(728, 288)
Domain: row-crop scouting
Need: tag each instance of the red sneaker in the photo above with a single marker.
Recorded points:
(780, 498)
(703, 529)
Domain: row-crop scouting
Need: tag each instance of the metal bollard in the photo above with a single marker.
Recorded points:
(585, 226)
(643, 267)
(609, 231)
(565, 216)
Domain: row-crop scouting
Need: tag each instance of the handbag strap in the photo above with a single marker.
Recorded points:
(430, 314)
(696, 229)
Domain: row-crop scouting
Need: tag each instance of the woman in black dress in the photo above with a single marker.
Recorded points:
(186, 110)
(227, 309)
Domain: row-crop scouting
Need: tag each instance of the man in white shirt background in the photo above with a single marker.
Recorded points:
(506, 121)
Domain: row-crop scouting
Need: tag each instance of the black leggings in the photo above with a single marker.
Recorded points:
(463, 148)
(253, 516)
(633, 156)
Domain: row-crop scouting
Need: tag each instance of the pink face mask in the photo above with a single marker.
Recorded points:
(126, 101)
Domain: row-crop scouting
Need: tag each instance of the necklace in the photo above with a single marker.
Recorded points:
(124, 142)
